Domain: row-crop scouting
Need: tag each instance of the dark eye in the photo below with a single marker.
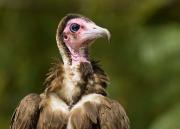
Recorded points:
(74, 27)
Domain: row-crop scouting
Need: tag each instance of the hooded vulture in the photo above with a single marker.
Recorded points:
(75, 96)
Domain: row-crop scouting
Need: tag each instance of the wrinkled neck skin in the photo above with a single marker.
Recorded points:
(79, 59)
(80, 55)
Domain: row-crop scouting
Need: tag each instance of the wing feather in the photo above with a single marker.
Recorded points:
(113, 116)
(26, 114)
(51, 119)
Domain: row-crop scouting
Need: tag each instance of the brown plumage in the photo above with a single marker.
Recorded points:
(75, 96)
(26, 114)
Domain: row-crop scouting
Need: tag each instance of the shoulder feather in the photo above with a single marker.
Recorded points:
(100, 76)
(113, 116)
(54, 77)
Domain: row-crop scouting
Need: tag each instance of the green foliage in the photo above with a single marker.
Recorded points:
(143, 60)
(171, 118)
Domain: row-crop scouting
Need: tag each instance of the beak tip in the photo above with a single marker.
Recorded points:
(109, 40)
(108, 36)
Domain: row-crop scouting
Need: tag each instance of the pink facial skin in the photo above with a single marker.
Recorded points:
(79, 41)
(74, 41)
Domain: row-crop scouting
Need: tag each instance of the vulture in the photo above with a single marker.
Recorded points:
(75, 95)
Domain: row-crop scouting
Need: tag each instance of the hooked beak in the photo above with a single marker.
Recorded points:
(94, 32)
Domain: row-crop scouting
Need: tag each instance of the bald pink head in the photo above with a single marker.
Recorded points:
(78, 34)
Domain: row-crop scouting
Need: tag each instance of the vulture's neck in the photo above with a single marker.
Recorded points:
(70, 83)
(77, 76)
(77, 72)
(78, 56)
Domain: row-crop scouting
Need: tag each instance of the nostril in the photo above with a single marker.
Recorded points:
(94, 28)
(65, 37)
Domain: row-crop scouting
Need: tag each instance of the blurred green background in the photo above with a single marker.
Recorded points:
(143, 59)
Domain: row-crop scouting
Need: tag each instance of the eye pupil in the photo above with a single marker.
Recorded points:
(74, 27)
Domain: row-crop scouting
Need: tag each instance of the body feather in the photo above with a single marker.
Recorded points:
(93, 110)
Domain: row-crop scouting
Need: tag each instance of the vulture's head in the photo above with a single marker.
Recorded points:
(75, 34)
